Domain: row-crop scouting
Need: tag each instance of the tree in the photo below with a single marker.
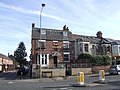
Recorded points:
(20, 54)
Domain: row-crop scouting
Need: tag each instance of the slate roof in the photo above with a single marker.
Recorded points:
(93, 39)
(116, 42)
(51, 34)
(54, 34)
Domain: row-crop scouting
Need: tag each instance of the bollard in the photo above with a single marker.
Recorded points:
(101, 75)
(80, 78)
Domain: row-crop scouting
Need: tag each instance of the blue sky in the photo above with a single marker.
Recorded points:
(84, 17)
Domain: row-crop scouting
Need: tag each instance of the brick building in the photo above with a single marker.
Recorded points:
(51, 47)
(6, 64)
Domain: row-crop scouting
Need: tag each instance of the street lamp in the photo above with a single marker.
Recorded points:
(43, 5)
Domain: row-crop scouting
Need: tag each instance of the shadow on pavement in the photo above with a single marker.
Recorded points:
(97, 75)
(12, 76)
(8, 76)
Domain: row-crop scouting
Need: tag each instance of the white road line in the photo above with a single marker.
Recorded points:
(10, 82)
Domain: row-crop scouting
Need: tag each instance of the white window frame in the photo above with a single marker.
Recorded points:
(65, 34)
(67, 53)
(43, 64)
(43, 32)
(66, 43)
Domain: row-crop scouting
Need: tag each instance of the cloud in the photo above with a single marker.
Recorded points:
(32, 12)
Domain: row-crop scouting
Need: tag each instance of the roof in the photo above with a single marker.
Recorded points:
(4, 56)
(93, 39)
(51, 34)
(116, 42)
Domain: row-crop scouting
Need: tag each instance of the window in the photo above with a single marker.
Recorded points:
(80, 47)
(65, 34)
(119, 49)
(43, 31)
(44, 60)
(65, 44)
(43, 44)
(108, 49)
(93, 46)
(86, 47)
(66, 57)
(43, 34)
(55, 45)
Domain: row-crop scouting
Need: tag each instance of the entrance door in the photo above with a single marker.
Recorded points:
(55, 61)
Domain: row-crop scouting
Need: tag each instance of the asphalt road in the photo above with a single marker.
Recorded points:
(9, 81)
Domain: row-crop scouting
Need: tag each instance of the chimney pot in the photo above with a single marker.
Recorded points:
(33, 25)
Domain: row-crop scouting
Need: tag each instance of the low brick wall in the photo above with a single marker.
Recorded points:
(56, 72)
(59, 72)
(85, 70)
(95, 69)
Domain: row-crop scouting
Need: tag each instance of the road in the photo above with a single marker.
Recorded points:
(9, 81)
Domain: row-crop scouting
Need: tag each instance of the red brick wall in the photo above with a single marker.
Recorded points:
(49, 50)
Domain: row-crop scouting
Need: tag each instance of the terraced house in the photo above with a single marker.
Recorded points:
(6, 64)
(53, 48)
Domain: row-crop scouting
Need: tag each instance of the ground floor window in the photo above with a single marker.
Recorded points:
(43, 60)
(66, 57)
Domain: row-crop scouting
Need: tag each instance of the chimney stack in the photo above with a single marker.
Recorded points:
(33, 25)
(99, 35)
(65, 28)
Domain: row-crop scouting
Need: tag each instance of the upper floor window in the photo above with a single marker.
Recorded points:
(80, 47)
(43, 34)
(65, 44)
(43, 31)
(119, 49)
(93, 46)
(108, 49)
(86, 47)
(43, 44)
(65, 34)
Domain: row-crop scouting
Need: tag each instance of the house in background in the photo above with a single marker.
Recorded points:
(116, 51)
(93, 45)
(6, 64)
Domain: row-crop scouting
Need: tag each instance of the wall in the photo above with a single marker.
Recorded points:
(85, 70)
(56, 72)
(61, 72)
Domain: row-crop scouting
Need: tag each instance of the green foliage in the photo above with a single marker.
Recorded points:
(101, 60)
(20, 54)
(84, 56)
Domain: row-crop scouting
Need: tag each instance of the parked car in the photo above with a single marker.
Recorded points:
(114, 69)
(23, 70)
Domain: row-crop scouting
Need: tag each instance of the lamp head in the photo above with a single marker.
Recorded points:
(43, 5)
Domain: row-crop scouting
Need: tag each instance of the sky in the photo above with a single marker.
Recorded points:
(83, 17)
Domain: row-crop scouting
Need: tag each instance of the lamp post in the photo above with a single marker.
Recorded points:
(30, 65)
(43, 5)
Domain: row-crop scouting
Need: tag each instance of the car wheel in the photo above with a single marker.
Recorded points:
(118, 73)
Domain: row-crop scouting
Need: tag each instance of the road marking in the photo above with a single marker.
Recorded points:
(10, 82)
